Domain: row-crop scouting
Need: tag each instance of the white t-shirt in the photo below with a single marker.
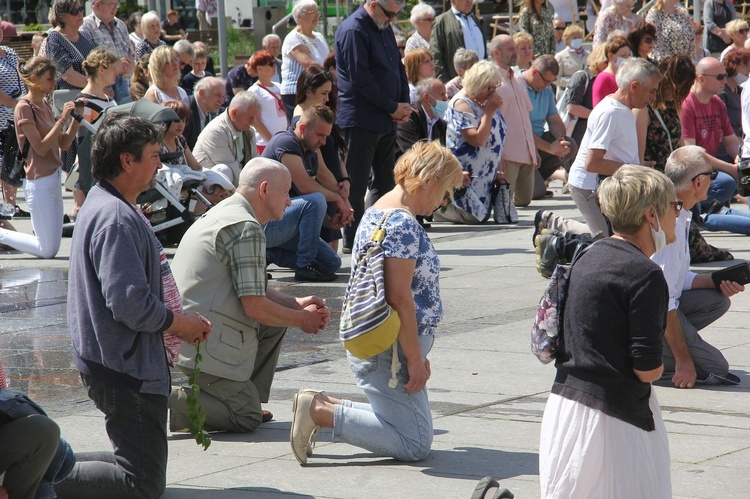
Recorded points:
(745, 100)
(611, 126)
(272, 113)
(290, 68)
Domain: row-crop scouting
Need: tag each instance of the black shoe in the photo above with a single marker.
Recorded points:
(313, 273)
(540, 223)
(714, 208)
(19, 213)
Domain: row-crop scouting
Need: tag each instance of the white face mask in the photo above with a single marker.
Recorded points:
(740, 78)
(659, 236)
(576, 44)
(619, 61)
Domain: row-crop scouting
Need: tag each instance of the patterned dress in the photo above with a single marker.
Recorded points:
(540, 29)
(66, 54)
(608, 21)
(405, 238)
(674, 33)
(480, 162)
(10, 83)
(657, 138)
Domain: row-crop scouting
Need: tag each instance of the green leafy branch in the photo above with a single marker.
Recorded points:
(196, 415)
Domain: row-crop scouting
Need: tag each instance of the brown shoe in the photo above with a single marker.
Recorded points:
(266, 416)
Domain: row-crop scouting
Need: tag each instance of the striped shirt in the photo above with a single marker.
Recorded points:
(290, 68)
(242, 248)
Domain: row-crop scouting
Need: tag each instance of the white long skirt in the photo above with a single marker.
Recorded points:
(584, 453)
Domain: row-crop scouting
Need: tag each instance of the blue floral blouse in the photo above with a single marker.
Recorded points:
(480, 162)
(405, 238)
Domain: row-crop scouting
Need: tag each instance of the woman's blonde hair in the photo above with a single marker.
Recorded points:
(522, 37)
(36, 67)
(596, 57)
(626, 196)
(98, 58)
(480, 76)
(734, 26)
(159, 57)
(572, 31)
(412, 60)
(428, 161)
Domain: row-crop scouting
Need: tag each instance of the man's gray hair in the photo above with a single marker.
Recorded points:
(424, 86)
(464, 59)
(269, 37)
(259, 170)
(684, 164)
(546, 64)
(636, 69)
(183, 47)
(420, 11)
(207, 84)
(300, 6)
(243, 100)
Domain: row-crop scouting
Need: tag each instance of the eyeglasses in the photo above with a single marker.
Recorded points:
(272, 63)
(111, 5)
(545, 80)
(389, 14)
(494, 87)
(718, 77)
(313, 12)
(677, 205)
(649, 39)
(712, 174)
(75, 11)
(431, 20)
(743, 31)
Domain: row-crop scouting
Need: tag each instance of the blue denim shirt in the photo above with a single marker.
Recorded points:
(372, 79)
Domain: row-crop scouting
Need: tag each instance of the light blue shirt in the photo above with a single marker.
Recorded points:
(473, 39)
(544, 105)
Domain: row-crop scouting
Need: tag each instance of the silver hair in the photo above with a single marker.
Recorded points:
(269, 37)
(184, 47)
(259, 170)
(636, 69)
(684, 164)
(547, 64)
(424, 86)
(300, 6)
(206, 84)
(243, 100)
(419, 12)
(148, 18)
(464, 59)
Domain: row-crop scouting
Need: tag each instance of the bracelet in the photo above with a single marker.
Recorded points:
(347, 179)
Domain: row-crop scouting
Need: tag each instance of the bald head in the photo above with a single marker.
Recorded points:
(259, 170)
(503, 50)
(708, 64)
(710, 77)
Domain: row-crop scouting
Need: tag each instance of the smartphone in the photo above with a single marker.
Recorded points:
(739, 273)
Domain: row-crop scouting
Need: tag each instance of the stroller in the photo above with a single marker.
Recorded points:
(167, 204)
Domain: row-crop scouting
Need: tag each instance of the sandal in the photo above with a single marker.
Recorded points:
(484, 486)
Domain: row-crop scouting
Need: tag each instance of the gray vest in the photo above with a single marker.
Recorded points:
(206, 287)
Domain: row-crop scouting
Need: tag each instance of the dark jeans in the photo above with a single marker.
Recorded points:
(27, 446)
(550, 162)
(368, 152)
(137, 427)
(290, 102)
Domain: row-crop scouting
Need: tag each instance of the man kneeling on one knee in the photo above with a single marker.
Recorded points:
(694, 301)
(220, 269)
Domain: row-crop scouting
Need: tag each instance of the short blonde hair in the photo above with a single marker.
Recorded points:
(626, 196)
(100, 57)
(522, 37)
(596, 57)
(572, 31)
(159, 57)
(428, 161)
(734, 26)
(479, 76)
(36, 67)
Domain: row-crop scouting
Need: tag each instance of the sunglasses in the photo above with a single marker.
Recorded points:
(743, 31)
(677, 205)
(712, 174)
(75, 11)
(559, 28)
(389, 14)
(720, 77)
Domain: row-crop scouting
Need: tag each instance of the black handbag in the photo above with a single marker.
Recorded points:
(14, 157)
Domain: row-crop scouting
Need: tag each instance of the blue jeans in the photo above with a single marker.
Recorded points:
(294, 241)
(395, 423)
(122, 90)
(137, 427)
(722, 189)
(735, 221)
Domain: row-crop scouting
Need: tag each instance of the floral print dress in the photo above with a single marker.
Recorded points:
(480, 162)
(540, 28)
(608, 21)
(657, 138)
(674, 32)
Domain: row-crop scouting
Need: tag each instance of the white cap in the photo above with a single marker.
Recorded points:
(219, 175)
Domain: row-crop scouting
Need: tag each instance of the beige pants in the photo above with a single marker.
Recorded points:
(520, 176)
(232, 406)
(585, 201)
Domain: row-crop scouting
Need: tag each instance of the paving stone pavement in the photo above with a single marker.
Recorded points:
(487, 391)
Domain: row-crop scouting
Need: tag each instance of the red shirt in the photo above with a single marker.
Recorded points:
(707, 124)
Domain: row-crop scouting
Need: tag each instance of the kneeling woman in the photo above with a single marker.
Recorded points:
(602, 431)
(396, 422)
(36, 124)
